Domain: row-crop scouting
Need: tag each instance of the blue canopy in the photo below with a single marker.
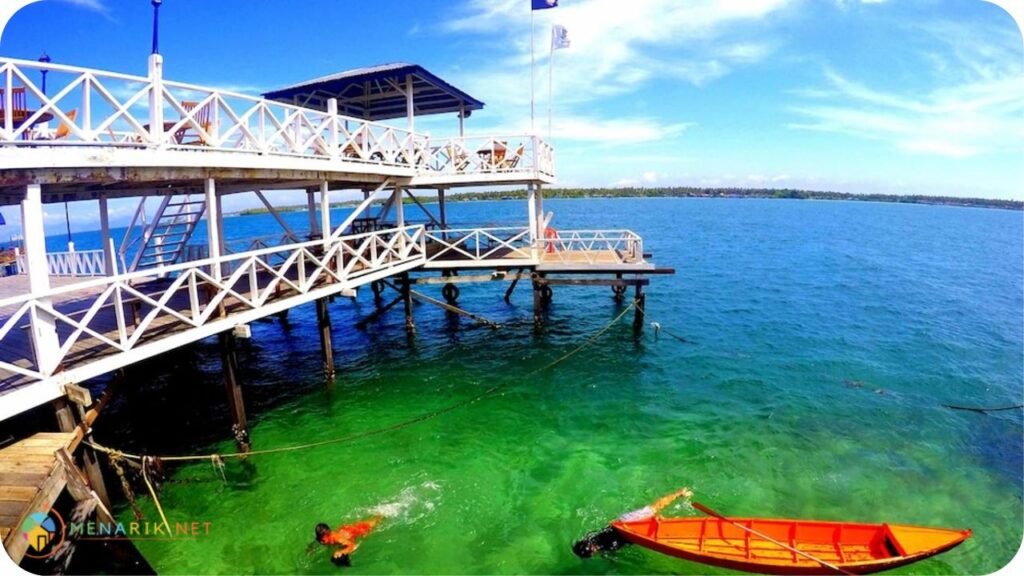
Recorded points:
(379, 93)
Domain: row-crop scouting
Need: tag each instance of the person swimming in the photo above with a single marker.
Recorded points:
(609, 539)
(344, 538)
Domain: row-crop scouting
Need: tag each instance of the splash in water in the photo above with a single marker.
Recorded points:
(411, 504)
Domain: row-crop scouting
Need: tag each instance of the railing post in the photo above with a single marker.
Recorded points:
(156, 100)
(44, 329)
(536, 155)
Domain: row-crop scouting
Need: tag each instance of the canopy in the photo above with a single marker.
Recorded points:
(380, 93)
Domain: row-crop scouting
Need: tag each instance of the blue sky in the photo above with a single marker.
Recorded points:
(893, 96)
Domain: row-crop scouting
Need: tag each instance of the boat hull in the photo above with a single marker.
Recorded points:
(852, 547)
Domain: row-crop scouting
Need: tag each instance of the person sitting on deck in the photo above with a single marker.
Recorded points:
(344, 538)
(609, 539)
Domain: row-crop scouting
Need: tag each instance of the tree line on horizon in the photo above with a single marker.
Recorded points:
(694, 192)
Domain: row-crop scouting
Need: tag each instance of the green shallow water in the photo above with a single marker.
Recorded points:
(823, 339)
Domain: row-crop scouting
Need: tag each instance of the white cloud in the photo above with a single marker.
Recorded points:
(973, 104)
(616, 49)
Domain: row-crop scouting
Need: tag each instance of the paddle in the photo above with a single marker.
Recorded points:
(714, 514)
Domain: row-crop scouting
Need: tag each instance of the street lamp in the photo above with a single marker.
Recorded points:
(45, 59)
(156, 25)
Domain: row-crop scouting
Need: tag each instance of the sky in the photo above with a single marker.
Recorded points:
(861, 96)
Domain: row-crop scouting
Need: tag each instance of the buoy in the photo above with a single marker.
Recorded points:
(550, 234)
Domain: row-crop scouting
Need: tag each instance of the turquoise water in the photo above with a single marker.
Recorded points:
(822, 339)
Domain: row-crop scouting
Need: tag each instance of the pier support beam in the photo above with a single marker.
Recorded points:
(66, 422)
(323, 320)
(229, 361)
(410, 325)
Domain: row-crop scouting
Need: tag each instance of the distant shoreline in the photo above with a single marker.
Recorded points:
(686, 192)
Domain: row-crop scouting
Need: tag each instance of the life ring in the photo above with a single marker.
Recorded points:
(450, 293)
(550, 234)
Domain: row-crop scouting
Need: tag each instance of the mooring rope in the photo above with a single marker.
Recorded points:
(152, 492)
(377, 431)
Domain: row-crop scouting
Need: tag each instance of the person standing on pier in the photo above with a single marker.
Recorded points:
(344, 538)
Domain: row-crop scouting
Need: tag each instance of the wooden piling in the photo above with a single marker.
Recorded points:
(236, 404)
(323, 320)
(67, 422)
(537, 303)
(640, 303)
(410, 325)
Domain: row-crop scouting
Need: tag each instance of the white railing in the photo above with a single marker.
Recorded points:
(72, 263)
(478, 244)
(593, 247)
(85, 107)
(125, 314)
(489, 155)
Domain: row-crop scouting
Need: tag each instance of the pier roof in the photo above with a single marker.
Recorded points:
(379, 92)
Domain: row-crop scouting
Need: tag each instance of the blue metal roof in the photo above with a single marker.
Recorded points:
(377, 92)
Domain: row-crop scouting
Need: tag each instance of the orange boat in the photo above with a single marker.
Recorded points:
(769, 546)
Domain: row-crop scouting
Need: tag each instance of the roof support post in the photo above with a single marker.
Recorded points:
(44, 330)
(156, 100)
(108, 246)
(396, 199)
(410, 110)
(332, 111)
(462, 120)
(542, 222)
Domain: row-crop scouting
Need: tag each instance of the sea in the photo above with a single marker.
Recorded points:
(803, 360)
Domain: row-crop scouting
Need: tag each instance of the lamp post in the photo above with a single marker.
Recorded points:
(156, 25)
(45, 59)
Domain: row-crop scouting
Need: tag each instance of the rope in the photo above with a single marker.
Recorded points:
(378, 431)
(115, 458)
(159, 508)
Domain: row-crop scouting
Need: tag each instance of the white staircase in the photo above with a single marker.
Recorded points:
(163, 241)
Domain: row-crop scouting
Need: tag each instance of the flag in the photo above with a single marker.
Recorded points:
(559, 37)
(543, 4)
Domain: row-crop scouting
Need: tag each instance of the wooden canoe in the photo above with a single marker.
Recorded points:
(851, 547)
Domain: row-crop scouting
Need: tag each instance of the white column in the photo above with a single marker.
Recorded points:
(325, 212)
(462, 120)
(108, 246)
(213, 224)
(399, 207)
(311, 209)
(44, 332)
(539, 199)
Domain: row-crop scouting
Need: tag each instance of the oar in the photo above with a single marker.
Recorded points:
(711, 512)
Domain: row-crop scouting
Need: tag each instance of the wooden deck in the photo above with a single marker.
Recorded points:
(31, 479)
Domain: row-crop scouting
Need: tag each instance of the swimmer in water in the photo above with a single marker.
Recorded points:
(609, 539)
(344, 538)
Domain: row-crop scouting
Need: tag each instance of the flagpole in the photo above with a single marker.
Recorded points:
(551, 74)
(532, 62)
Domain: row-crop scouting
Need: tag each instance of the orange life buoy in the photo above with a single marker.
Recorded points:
(550, 234)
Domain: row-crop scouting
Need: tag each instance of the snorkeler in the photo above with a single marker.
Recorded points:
(344, 538)
(609, 539)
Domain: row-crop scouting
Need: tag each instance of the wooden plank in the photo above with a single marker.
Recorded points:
(21, 478)
(24, 467)
(17, 492)
(13, 507)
